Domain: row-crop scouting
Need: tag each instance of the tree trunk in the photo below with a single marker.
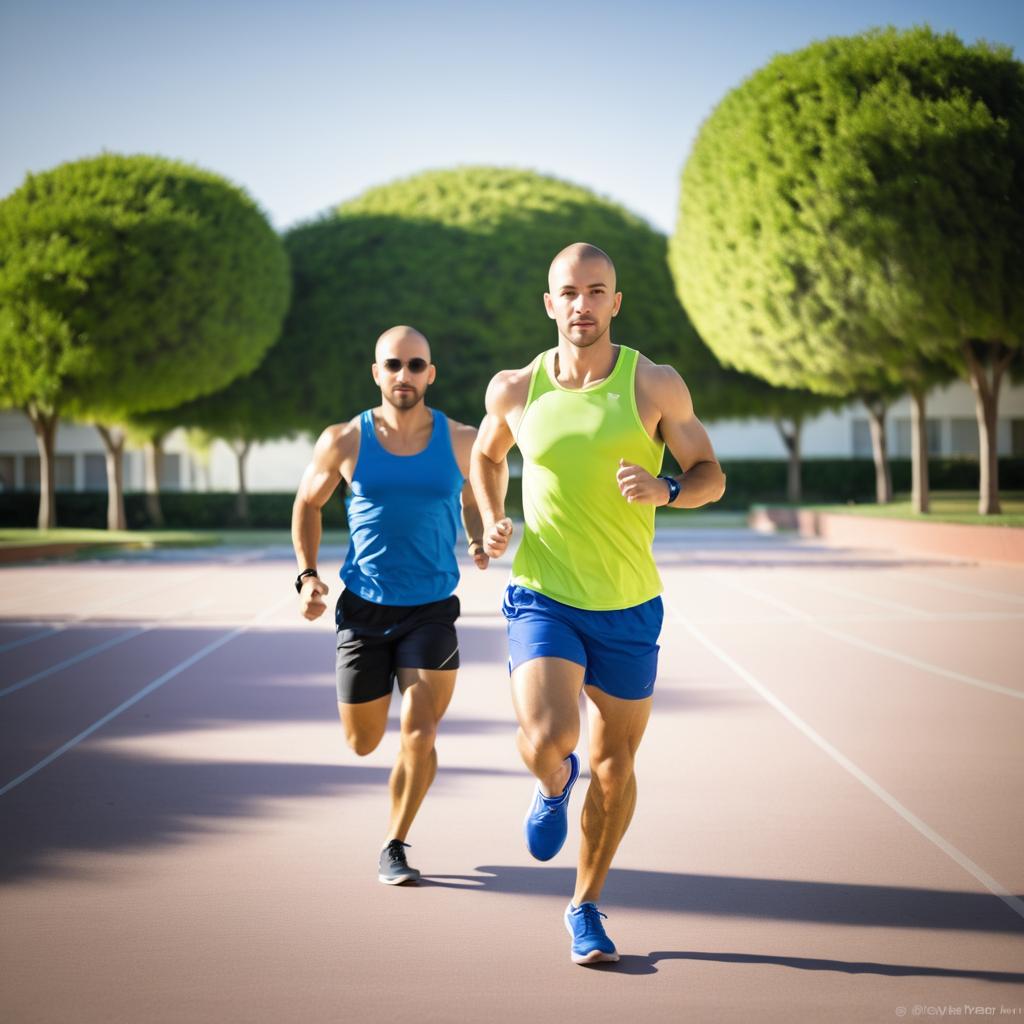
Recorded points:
(790, 433)
(986, 405)
(45, 426)
(154, 470)
(918, 452)
(113, 443)
(241, 450)
(877, 408)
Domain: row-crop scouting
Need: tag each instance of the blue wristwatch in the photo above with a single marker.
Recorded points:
(673, 487)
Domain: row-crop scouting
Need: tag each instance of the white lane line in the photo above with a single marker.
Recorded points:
(19, 602)
(765, 620)
(73, 660)
(994, 886)
(841, 591)
(960, 588)
(145, 692)
(856, 641)
(90, 610)
(31, 638)
(99, 648)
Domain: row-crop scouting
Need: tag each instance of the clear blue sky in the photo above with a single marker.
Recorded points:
(306, 104)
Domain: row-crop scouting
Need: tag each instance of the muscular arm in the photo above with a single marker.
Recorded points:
(333, 452)
(488, 471)
(462, 442)
(703, 480)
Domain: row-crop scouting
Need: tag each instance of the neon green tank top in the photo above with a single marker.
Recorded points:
(583, 543)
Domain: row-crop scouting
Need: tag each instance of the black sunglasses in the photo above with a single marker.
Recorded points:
(416, 365)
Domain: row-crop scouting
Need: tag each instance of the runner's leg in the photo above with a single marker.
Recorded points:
(364, 723)
(425, 697)
(545, 694)
(616, 728)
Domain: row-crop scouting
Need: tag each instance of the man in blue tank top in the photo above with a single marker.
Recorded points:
(407, 467)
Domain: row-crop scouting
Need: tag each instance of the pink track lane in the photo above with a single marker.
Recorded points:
(210, 853)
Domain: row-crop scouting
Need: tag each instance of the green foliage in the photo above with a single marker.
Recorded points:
(750, 481)
(461, 255)
(264, 405)
(727, 394)
(857, 206)
(130, 283)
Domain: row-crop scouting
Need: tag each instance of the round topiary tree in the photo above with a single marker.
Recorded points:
(461, 255)
(130, 283)
(262, 406)
(855, 210)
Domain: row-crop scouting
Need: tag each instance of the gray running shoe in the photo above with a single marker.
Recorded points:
(392, 868)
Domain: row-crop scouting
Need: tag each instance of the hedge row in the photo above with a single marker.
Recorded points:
(750, 481)
(753, 481)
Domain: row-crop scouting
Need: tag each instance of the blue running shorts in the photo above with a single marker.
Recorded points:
(618, 649)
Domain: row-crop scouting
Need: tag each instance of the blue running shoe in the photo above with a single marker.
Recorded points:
(547, 820)
(590, 945)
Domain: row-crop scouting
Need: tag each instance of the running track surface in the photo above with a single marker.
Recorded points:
(829, 823)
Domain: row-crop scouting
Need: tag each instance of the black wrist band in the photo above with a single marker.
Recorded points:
(302, 575)
(673, 487)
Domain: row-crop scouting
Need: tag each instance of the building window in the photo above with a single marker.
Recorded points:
(964, 440)
(6, 473)
(1017, 438)
(903, 438)
(861, 438)
(63, 473)
(95, 473)
(170, 472)
(900, 444)
(31, 472)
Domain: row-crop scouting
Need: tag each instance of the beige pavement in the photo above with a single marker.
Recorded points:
(829, 824)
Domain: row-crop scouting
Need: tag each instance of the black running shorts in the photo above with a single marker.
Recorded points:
(375, 640)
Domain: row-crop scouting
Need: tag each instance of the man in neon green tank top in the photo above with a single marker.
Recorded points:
(591, 420)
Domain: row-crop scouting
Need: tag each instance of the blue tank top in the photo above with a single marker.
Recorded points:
(403, 518)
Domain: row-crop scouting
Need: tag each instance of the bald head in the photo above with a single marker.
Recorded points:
(572, 256)
(400, 341)
(401, 366)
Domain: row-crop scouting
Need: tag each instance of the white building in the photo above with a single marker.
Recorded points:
(277, 466)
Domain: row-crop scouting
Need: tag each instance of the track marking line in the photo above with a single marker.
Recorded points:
(1015, 903)
(97, 649)
(960, 588)
(120, 598)
(766, 620)
(841, 591)
(145, 692)
(856, 641)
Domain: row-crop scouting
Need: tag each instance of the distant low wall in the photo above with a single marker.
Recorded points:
(953, 540)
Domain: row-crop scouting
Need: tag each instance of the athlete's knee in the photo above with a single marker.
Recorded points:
(547, 736)
(419, 738)
(361, 743)
(613, 772)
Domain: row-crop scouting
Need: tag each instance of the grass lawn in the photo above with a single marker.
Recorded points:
(946, 507)
(12, 538)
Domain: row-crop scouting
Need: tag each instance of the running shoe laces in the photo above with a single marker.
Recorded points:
(396, 852)
(592, 920)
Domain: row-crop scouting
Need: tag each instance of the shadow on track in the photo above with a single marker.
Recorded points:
(765, 898)
(104, 801)
(633, 964)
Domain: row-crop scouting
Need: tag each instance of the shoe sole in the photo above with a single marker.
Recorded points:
(595, 956)
(398, 881)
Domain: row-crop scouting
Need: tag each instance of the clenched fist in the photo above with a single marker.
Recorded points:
(477, 553)
(637, 486)
(497, 536)
(311, 597)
